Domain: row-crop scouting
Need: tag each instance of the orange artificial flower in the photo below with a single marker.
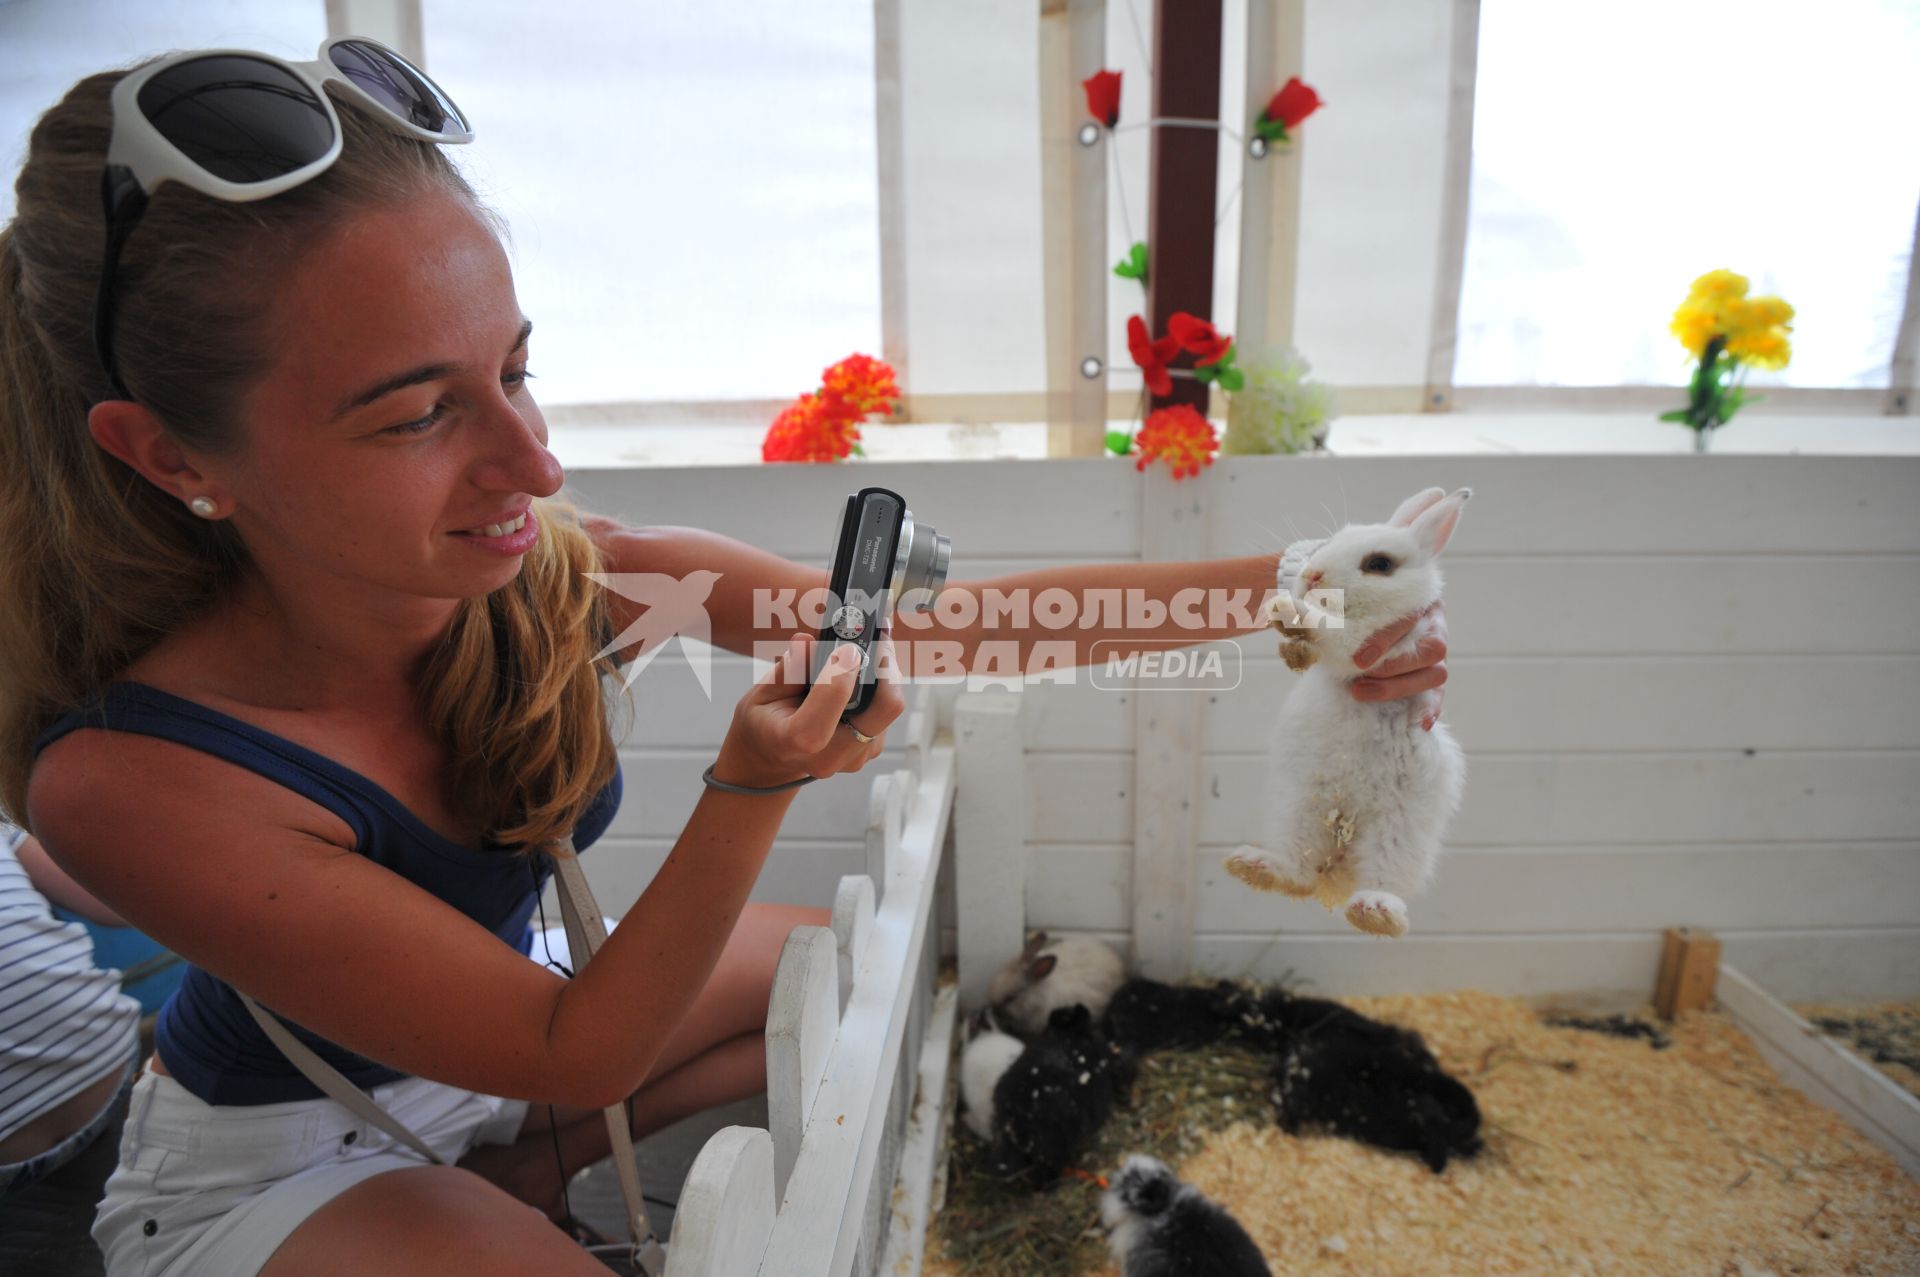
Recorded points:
(814, 427)
(863, 381)
(1180, 436)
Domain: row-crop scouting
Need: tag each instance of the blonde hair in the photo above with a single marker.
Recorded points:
(100, 565)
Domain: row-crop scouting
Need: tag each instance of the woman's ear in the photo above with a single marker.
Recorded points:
(131, 432)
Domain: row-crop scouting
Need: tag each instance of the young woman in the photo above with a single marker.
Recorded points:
(296, 674)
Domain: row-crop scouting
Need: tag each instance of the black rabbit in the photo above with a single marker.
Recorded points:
(1050, 1105)
(1158, 1226)
(1374, 1083)
(1146, 1015)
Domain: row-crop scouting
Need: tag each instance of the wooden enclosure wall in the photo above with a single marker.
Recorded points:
(1689, 688)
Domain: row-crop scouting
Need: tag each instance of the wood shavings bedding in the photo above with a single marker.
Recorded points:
(1604, 1157)
(1886, 1036)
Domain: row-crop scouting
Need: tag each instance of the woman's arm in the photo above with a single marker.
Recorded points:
(262, 890)
(1044, 618)
(53, 883)
(748, 598)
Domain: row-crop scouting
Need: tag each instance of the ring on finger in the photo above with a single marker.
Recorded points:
(861, 736)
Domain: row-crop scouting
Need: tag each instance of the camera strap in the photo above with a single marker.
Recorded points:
(586, 932)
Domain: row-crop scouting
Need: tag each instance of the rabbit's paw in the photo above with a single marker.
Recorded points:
(1262, 869)
(1379, 913)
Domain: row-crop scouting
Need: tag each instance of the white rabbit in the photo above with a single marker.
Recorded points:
(1358, 794)
(1049, 974)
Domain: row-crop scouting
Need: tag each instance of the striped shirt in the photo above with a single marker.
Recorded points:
(64, 1023)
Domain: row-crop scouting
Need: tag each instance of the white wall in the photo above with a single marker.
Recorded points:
(1689, 688)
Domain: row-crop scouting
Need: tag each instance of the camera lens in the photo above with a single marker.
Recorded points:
(921, 564)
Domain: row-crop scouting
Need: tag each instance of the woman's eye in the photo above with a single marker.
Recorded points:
(515, 379)
(421, 426)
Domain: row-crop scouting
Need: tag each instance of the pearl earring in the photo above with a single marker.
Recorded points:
(203, 506)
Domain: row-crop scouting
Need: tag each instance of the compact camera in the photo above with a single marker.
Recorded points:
(882, 558)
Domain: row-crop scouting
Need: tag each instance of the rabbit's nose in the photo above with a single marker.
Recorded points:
(1312, 577)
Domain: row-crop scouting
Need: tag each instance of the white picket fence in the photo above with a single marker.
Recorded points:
(858, 1041)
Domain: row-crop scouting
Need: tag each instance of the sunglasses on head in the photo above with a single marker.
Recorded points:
(245, 126)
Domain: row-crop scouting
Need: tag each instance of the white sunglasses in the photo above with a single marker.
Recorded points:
(238, 126)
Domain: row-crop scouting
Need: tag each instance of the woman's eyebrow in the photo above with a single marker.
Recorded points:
(414, 376)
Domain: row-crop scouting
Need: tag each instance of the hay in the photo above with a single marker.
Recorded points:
(1604, 1157)
(990, 1228)
(1886, 1036)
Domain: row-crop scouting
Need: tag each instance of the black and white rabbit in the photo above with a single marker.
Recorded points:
(1159, 1226)
(1049, 974)
(1373, 1082)
(986, 1059)
(1358, 795)
(1049, 1106)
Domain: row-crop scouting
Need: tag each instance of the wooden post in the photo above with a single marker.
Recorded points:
(1185, 175)
(1073, 189)
(1175, 525)
(1689, 966)
(989, 838)
(1270, 198)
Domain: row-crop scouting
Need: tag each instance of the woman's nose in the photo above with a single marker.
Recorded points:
(516, 457)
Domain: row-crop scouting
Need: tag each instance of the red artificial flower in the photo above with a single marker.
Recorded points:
(1180, 436)
(1103, 96)
(1152, 356)
(863, 381)
(1293, 103)
(815, 427)
(1198, 337)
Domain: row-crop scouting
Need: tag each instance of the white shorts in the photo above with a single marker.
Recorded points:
(206, 1190)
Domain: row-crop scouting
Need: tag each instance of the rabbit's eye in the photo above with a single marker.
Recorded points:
(1378, 564)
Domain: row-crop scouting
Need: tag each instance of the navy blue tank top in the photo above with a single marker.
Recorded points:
(204, 1034)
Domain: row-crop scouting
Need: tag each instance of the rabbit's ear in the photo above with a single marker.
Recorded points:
(1414, 506)
(1433, 529)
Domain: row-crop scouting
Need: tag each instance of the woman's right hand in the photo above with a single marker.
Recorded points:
(783, 729)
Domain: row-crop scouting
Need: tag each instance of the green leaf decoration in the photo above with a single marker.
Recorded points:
(1232, 380)
(1119, 442)
(858, 451)
(1679, 415)
(1270, 131)
(1206, 375)
(1133, 265)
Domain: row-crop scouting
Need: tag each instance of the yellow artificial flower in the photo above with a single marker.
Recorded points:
(1767, 348)
(1755, 328)
(1695, 324)
(1767, 312)
(1717, 285)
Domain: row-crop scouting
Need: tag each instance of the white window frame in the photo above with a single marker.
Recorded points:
(400, 23)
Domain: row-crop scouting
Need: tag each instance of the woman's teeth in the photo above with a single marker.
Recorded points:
(500, 529)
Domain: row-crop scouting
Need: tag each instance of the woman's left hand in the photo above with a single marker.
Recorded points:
(1422, 672)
